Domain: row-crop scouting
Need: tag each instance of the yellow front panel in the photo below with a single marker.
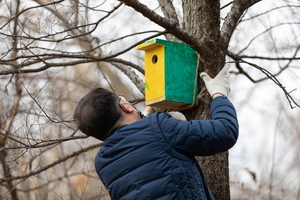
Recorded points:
(154, 74)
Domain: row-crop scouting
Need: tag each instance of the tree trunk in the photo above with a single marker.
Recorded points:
(202, 20)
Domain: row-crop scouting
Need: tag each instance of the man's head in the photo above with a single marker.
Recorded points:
(97, 113)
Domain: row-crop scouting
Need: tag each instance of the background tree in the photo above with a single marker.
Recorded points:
(53, 52)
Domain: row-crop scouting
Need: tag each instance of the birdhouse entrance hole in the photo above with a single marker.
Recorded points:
(154, 59)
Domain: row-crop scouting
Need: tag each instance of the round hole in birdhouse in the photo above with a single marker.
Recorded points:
(154, 59)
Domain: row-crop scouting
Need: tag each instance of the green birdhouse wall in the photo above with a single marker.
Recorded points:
(170, 74)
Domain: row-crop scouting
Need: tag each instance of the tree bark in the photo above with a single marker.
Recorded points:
(202, 20)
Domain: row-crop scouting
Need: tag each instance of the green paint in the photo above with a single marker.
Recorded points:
(147, 86)
(181, 73)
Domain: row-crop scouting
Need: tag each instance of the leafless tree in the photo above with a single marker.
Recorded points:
(55, 51)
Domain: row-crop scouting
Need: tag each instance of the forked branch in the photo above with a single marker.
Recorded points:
(268, 74)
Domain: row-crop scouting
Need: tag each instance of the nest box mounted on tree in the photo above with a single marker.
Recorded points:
(170, 74)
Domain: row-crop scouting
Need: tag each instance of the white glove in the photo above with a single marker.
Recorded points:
(219, 84)
(150, 110)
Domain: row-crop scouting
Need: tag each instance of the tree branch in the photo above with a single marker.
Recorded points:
(128, 63)
(201, 46)
(169, 12)
(80, 59)
(237, 9)
(76, 153)
(131, 75)
(268, 74)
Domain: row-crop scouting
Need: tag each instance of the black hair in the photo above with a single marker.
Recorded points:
(97, 112)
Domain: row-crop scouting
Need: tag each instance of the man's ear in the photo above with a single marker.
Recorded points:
(126, 107)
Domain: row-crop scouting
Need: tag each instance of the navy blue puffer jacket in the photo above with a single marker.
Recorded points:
(153, 158)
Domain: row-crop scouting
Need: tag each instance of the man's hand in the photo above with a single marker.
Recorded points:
(218, 85)
(150, 110)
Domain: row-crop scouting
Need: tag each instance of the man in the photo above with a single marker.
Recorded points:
(153, 157)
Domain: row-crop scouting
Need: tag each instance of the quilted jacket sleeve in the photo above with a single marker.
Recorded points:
(203, 137)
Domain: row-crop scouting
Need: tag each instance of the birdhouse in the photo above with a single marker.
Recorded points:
(170, 74)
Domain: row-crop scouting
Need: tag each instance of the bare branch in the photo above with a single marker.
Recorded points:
(25, 10)
(74, 154)
(290, 59)
(125, 62)
(201, 46)
(266, 31)
(169, 12)
(132, 76)
(40, 144)
(268, 74)
(85, 59)
(269, 11)
(237, 9)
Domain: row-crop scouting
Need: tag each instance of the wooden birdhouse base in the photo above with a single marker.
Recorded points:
(166, 104)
